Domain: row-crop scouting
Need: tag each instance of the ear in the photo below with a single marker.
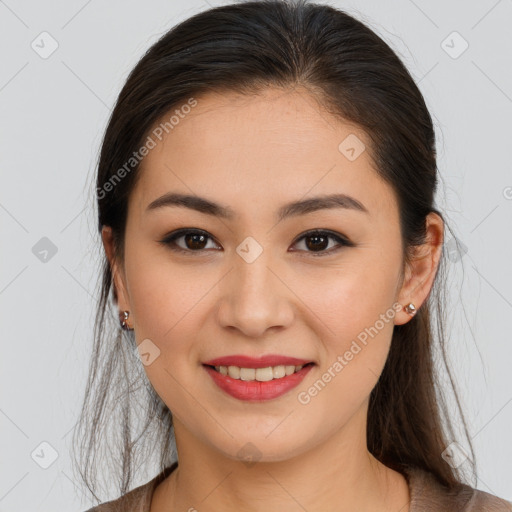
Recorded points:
(422, 268)
(120, 293)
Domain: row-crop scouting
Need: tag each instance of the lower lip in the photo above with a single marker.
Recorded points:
(256, 391)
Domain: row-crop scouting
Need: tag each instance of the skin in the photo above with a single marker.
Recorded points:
(254, 154)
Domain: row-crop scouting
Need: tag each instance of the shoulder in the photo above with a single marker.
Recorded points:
(428, 494)
(133, 501)
(138, 499)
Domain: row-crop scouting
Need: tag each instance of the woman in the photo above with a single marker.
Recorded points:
(266, 204)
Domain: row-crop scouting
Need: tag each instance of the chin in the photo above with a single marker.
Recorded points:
(261, 448)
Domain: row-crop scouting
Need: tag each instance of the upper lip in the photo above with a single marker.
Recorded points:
(256, 362)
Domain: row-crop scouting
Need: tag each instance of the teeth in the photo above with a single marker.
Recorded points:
(234, 372)
(259, 374)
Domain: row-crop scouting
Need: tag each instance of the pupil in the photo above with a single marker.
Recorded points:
(194, 246)
(315, 244)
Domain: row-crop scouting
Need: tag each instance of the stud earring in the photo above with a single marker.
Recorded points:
(123, 319)
(411, 309)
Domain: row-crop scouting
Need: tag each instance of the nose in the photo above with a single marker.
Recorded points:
(255, 298)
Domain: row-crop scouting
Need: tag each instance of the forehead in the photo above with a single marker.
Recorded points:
(271, 147)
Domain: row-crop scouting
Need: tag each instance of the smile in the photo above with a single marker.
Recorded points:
(257, 384)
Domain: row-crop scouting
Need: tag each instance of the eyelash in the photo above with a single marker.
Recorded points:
(170, 241)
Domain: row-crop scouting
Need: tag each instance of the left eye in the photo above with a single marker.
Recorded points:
(319, 241)
(315, 241)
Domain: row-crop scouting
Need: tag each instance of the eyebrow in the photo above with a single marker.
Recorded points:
(292, 209)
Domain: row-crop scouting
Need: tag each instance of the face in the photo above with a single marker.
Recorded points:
(254, 283)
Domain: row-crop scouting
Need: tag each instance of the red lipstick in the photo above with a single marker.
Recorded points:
(256, 362)
(253, 390)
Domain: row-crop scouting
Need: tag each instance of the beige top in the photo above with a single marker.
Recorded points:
(427, 495)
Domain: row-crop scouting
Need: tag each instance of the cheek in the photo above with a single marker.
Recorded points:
(353, 311)
(348, 299)
(162, 294)
(164, 302)
(356, 332)
(168, 304)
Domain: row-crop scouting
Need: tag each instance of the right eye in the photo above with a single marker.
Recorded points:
(194, 240)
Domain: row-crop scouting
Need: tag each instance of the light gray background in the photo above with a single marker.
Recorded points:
(53, 113)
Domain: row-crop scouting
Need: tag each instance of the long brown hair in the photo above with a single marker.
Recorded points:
(356, 76)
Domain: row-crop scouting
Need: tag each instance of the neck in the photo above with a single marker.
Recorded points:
(339, 474)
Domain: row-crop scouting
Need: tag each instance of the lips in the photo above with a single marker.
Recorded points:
(256, 362)
(256, 391)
